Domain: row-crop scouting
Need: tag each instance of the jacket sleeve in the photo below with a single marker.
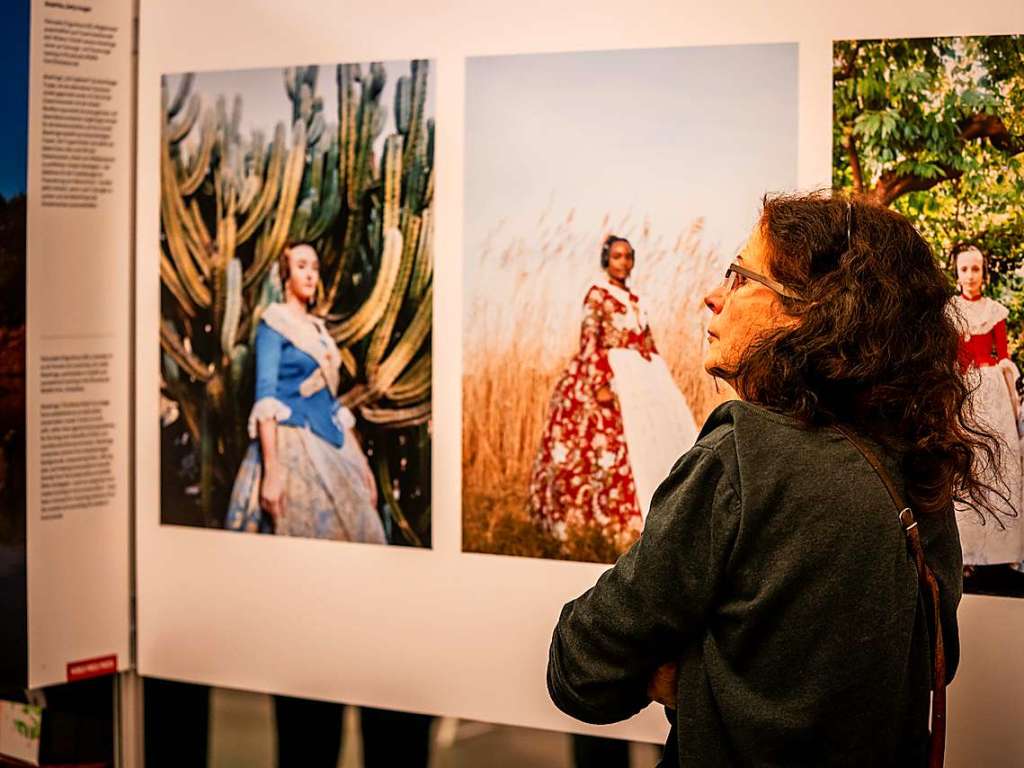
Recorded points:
(269, 344)
(593, 349)
(945, 559)
(268, 360)
(609, 641)
(999, 334)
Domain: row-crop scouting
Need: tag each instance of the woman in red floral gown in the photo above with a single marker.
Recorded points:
(616, 421)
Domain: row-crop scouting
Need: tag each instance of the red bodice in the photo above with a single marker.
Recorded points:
(985, 348)
(983, 324)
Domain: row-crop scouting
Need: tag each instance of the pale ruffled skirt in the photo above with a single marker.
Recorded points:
(327, 491)
(657, 421)
(988, 542)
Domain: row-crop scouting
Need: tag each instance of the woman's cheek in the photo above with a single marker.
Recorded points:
(732, 351)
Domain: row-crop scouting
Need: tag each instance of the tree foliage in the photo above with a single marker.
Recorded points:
(934, 127)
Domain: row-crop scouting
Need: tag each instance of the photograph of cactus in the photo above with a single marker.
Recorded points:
(605, 192)
(296, 270)
(933, 127)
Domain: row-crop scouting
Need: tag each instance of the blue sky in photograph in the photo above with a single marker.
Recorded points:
(664, 134)
(265, 101)
(14, 42)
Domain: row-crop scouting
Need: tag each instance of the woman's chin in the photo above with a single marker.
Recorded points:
(711, 362)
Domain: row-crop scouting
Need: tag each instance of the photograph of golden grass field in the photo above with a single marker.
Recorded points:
(525, 330)
(670, 148)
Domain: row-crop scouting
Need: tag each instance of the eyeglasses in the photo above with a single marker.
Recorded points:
(736, 276)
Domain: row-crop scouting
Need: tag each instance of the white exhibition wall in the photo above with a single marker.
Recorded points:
(437, 630)
(79, 304)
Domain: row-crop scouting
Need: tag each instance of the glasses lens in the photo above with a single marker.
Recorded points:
(733, 280)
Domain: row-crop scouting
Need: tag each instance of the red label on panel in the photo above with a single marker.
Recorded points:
(82, 670)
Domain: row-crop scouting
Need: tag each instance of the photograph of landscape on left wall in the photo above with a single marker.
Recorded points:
(13, 157)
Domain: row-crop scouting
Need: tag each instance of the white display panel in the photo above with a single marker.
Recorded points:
(79, 339)
(441, 631)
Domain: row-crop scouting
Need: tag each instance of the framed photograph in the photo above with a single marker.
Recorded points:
(932, 128)
(296, 263)
(606, 193)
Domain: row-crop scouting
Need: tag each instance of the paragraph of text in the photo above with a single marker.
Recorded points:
(77, 456)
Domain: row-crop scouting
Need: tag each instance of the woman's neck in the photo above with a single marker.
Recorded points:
(617, 283)
(969, 297)
(296, 305)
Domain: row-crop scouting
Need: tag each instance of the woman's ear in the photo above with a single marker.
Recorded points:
(783, 319)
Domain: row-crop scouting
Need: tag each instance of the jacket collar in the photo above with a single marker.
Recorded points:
(309, 335)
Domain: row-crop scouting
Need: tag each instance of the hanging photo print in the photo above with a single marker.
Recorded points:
(605, 194)
(934, 128)
(296, 268)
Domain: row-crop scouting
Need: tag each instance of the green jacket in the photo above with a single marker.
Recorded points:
(773, 568)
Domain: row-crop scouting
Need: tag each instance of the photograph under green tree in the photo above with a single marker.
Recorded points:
(934, 128)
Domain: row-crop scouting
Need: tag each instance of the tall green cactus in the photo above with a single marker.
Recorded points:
(229, 205)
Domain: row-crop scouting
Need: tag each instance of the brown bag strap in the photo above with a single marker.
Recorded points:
(929, 586)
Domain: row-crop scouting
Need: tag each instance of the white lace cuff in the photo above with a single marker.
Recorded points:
(266, 408)
(1009, 367)
(343, 418)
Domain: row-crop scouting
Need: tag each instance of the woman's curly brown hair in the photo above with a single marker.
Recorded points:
(875, 347)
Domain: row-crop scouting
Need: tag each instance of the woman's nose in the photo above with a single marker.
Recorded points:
(714, 299)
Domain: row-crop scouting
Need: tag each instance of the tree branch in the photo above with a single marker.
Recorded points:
(991, 127)
(976, 127)
(892, 185)
(851, 151)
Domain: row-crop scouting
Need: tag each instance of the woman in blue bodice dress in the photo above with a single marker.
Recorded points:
(304, 473)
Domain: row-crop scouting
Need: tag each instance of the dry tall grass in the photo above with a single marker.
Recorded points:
(522, 321)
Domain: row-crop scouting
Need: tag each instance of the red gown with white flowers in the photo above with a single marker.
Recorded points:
(586, 471)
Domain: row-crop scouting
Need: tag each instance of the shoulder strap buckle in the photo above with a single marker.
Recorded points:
(907, 519)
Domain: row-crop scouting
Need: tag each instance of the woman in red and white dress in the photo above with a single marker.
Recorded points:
(985, 359)
(616, 422)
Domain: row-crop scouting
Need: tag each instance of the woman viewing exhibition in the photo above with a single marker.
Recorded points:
(616, 421)
(304, 473)
(774, 602)
(985, 358)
